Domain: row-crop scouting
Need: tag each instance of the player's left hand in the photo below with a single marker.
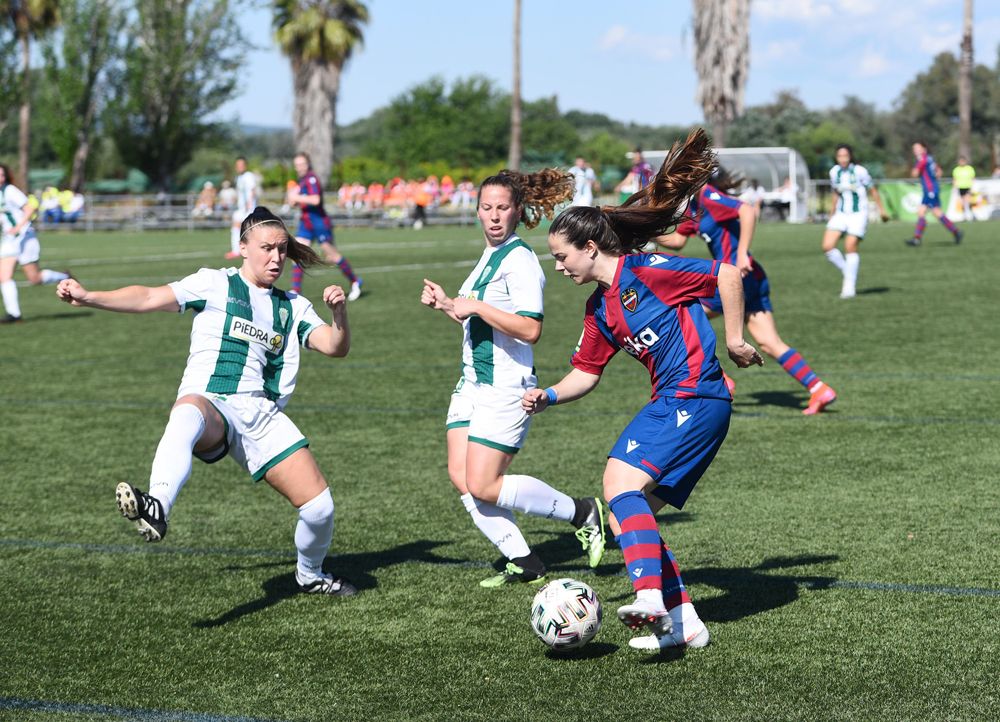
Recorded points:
(743, 264)
(534, 401)
(334, 297)
(744, 355)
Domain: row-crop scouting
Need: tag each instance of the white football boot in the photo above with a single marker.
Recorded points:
(645, 613)
(687, 631)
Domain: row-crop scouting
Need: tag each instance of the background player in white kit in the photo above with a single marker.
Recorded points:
(18, 246)
(583, 176)
(500, 309)
(851, 184)
(246, 341)
(246, 201)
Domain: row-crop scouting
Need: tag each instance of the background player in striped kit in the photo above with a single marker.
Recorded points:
(727, 225)
(851, 185)
(246, 201)
(315, 225)
(246, 341)
(500, 309)
(648, 304)
(18, 246)
(929, 172)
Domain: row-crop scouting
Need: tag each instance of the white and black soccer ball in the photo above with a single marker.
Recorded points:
(566, 614)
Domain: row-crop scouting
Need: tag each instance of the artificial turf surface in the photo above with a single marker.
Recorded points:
(847, 565)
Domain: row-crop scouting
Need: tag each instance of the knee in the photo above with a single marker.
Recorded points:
(484, 489)
(319, 509)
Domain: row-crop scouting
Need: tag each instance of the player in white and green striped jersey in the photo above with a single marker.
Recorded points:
(851, 184)
(500, 309)
(246, 341)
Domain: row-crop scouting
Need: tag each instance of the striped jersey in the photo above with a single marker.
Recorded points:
(246, 192)
(927, 172)
(510, 278)
(852, 183)
(715, 216)
(653, 311)
(244, 339)
(12, 202)
(313, 216)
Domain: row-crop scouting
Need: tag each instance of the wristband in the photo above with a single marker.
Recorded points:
(551, 393)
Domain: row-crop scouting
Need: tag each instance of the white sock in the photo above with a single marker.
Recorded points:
(234, 239)
(683, 614)
(313, 534)
(835, 257)
(172, 463)
(652, 596)
(851, 263)
(50, 276)
(498, 526)
(8, 289)
(533, 496)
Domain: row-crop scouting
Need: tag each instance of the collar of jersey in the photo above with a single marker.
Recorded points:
(510, 239)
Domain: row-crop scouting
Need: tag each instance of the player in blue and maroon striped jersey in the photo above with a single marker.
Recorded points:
(650, 305)
(315, 225)
(727, 225)
(928, 172)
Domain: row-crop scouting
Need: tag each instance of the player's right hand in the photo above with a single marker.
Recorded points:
(70, 291)
(744, 355)
(534, 401)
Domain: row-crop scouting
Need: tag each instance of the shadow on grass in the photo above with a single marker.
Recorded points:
(873, 290)
(594, 650)
(787, 399)
(357, 567)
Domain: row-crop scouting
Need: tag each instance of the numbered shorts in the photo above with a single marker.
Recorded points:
(674, 441)
(931, 200)
(493, 415)
(24, 246)
(258, 434)
(756, 293)
(315, 228)
(853, 224)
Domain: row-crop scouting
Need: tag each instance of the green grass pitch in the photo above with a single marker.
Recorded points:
(848, 565)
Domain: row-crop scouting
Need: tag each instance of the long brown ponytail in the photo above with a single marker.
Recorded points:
(619, 230)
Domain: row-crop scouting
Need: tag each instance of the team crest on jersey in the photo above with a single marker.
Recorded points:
(283, 316)
(630, 299)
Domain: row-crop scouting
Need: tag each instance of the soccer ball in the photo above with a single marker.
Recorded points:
(566, 614)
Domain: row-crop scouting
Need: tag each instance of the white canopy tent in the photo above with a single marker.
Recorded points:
(770, 166)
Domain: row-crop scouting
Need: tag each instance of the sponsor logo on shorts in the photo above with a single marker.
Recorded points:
(631, 446)
(248, 331)
(630, 299)
(682, 416)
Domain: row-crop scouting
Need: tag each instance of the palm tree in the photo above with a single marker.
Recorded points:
(965, 87)
(514, 158)
(722, 59)
(318, 36)
(31, 19)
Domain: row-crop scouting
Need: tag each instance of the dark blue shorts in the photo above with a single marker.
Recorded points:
(674, 441)
(756, 293)
(316, 229)
(931, 200)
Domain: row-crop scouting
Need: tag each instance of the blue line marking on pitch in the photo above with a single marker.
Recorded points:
(126, 713)
(189, 551)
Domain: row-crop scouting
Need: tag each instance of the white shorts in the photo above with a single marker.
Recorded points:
(853, 224)
(493, 415)
(24, 246)
(258, 434)
(240, 216)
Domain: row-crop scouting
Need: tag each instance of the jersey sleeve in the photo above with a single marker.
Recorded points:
(721, 207)
(308, 322)
(594, 350)
(193, 291)
(525, 283)
(689, 226)
(15, 196)
(864, 177)
(833, 174)
(679, 279)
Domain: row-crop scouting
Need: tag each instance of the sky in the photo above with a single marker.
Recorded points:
(631, 61)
